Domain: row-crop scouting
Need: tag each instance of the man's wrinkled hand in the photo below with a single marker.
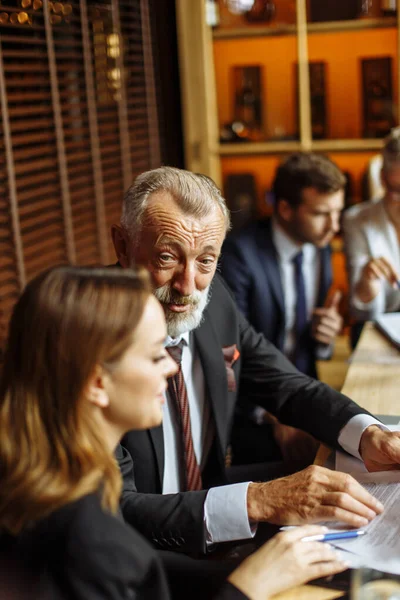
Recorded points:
(380, 449)
(313, 495)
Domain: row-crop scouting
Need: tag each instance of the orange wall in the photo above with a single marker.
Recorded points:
(277, 55)
(342, 52)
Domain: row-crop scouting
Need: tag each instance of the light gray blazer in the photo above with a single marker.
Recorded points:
(368, 233)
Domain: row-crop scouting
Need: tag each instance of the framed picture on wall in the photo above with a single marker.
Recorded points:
(377, 96)
(247, 96)
(332, 10)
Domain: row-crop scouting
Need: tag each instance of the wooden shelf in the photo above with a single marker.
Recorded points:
(346, 145)
(323, 27)
(353, 24)
(243, 148)
(207, 64)
(239, 32)
(249, 148)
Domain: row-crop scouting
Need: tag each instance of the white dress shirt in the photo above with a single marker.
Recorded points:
(369, 233)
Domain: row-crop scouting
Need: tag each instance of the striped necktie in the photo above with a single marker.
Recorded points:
(178, 393)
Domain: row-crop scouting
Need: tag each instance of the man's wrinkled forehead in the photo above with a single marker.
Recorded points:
(165, 221)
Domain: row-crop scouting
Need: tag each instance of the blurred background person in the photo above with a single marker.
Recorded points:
(371, 235)
(280, 272)
(371, 182)
(85, 362)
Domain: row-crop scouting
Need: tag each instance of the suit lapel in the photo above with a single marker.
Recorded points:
(157, 439)
(211, 357)
(269, 262)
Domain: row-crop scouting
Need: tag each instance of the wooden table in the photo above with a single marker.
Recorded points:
(373, 377)
(373, 382)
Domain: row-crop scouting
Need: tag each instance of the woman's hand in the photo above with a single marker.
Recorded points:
(284, 562)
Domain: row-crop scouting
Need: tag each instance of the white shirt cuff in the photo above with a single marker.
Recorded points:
(364, 305)
(225, 514)
(350, 436)
(374, 307)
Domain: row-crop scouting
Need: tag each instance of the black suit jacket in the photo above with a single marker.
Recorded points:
(79, 552)
(250, 266)
(263, 376)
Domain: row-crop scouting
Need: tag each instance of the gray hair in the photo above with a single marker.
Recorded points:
(195, 194)
(391, 149)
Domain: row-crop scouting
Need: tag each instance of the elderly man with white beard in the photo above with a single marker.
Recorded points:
(176, 490)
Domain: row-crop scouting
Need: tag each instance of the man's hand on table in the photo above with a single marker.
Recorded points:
(310, 496)
(380, 449)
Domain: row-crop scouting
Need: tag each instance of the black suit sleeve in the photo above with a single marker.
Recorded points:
(170, 521)
(91, 555)
(268, 378)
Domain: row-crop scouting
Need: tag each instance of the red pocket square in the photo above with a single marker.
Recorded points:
(231, 354)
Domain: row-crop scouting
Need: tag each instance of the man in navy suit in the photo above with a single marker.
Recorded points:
(279, 270)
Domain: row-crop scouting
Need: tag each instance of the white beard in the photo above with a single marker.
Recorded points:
(179, 323)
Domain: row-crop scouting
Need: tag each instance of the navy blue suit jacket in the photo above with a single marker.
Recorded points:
(249, 264)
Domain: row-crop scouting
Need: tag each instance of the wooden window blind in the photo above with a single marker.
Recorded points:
(78, 122)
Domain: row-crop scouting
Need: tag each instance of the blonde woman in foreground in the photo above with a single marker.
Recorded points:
(85, 363)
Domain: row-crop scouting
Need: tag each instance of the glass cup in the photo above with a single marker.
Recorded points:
(370, 584)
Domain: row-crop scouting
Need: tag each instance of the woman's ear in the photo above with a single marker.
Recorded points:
(120, 245)
(95, 390)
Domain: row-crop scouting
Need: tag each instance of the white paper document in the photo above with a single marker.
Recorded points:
(389, 325)
(380, 547)
(349, 464)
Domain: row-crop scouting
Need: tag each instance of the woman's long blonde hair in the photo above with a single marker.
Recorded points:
(67, 321)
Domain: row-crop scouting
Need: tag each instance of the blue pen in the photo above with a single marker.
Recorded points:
(330, 537)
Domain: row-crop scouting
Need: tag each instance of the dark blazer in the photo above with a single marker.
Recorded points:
(80, 552)
(262, 375)
(249, 265)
